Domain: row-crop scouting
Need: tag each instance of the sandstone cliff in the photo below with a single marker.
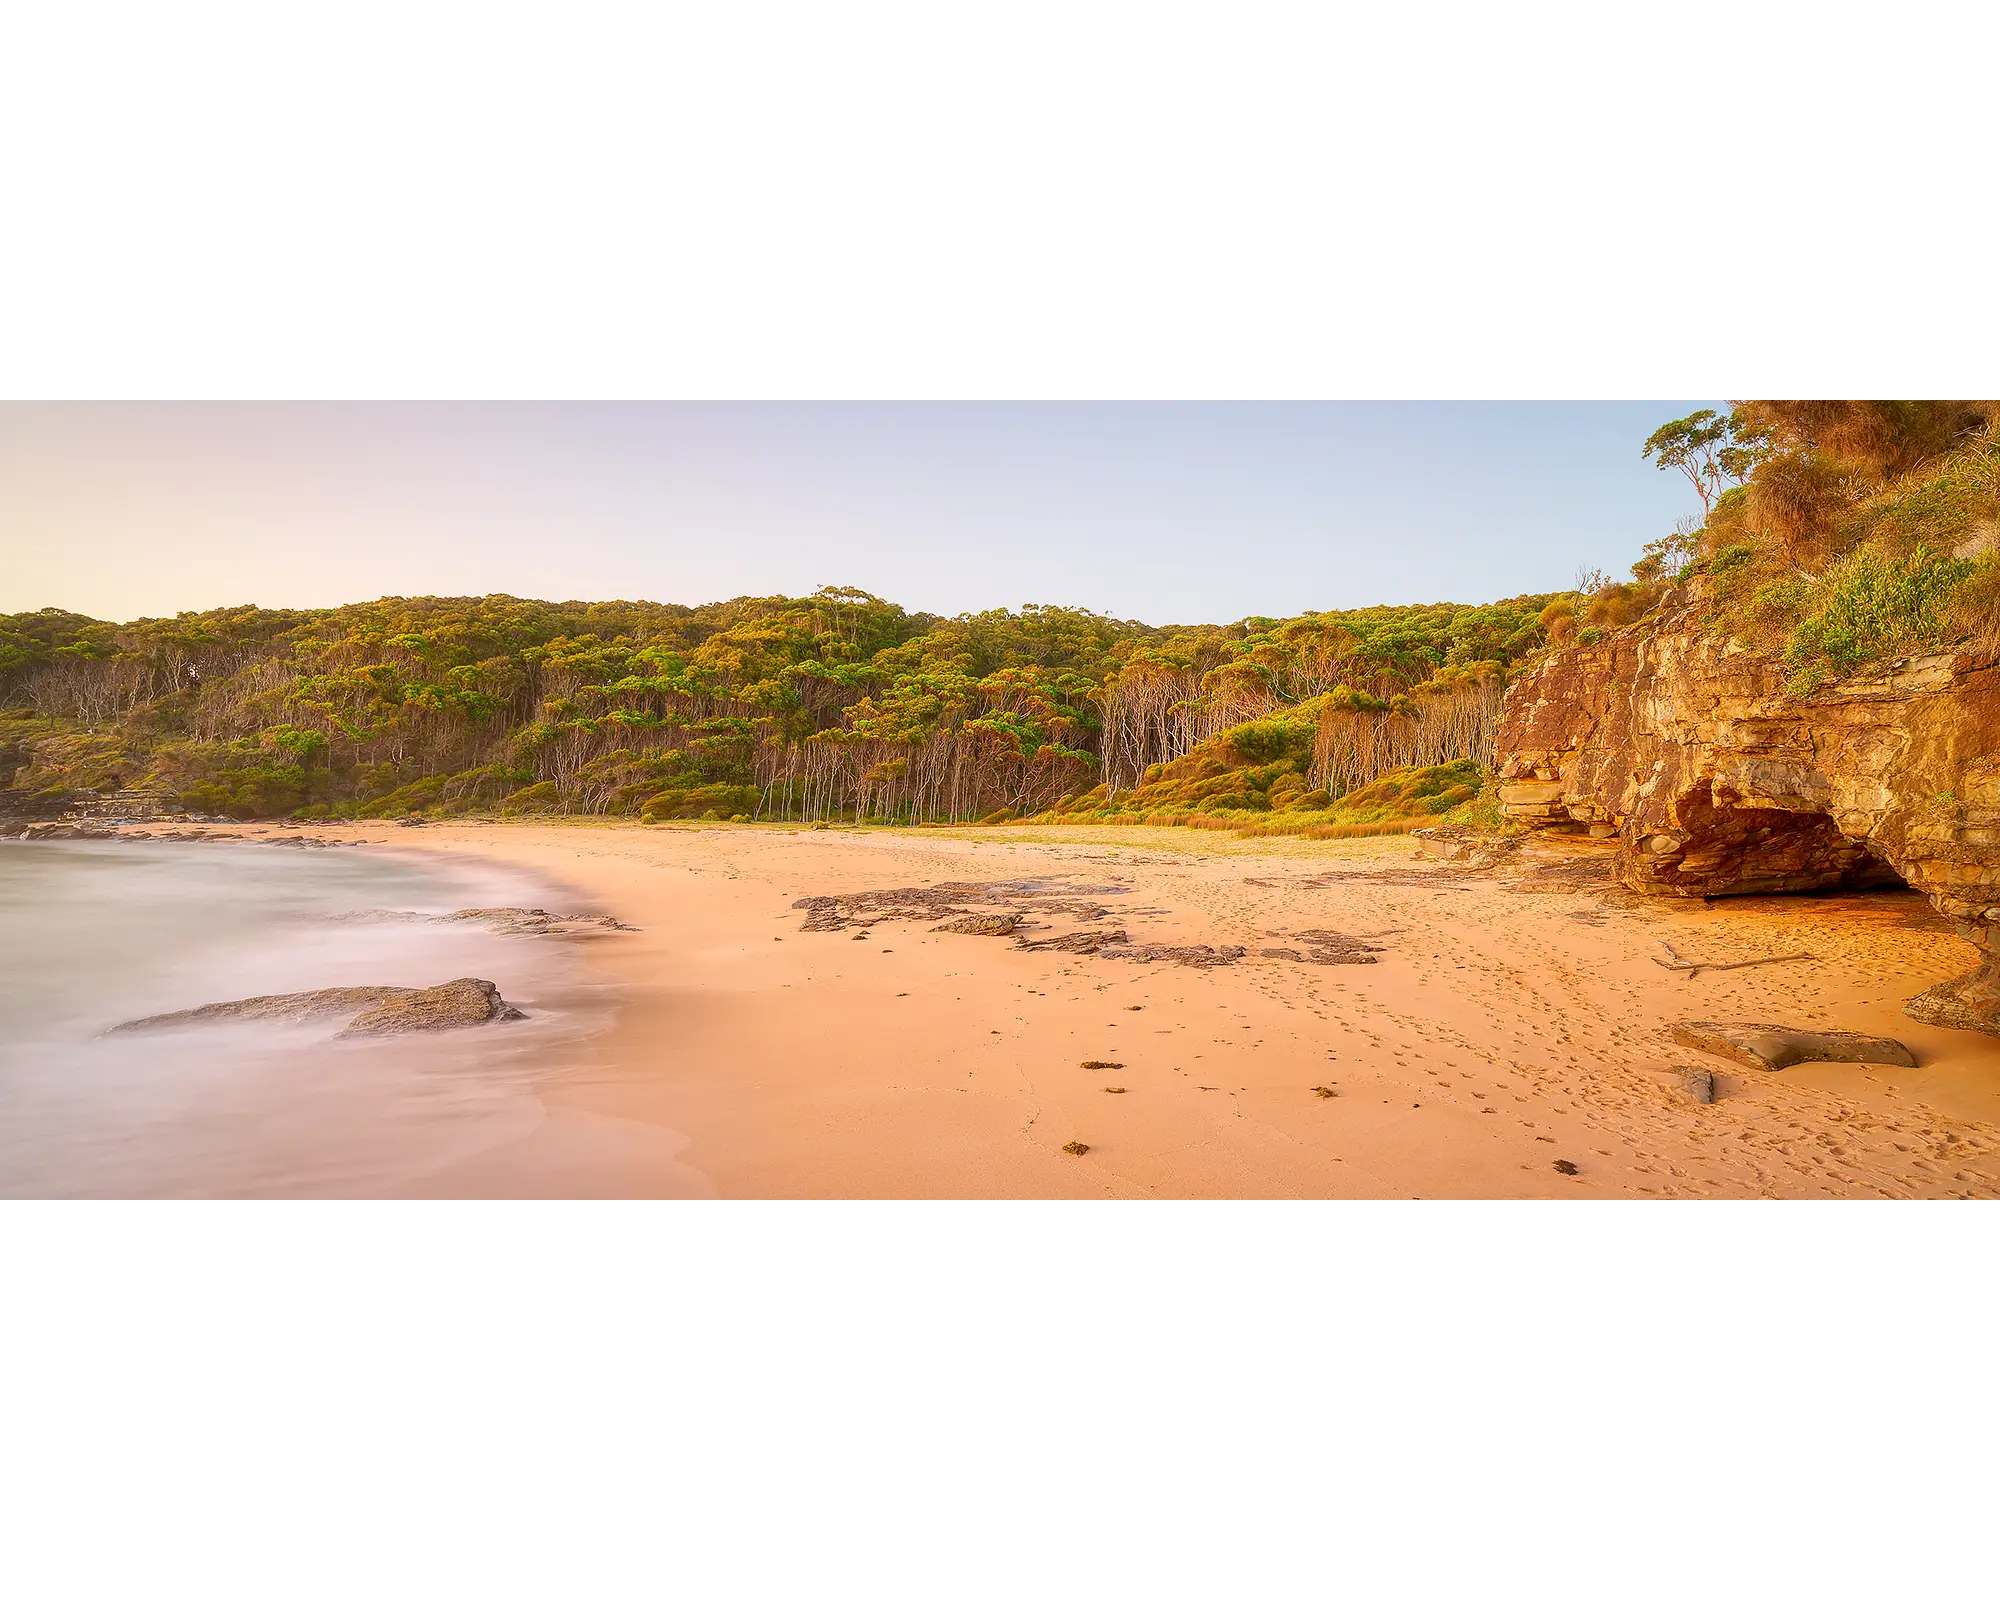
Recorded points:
(1715, 782)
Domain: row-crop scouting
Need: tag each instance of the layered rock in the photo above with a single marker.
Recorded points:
(461, 1003)
(1715, 781)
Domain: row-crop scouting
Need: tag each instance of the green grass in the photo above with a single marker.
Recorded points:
(1870, 606)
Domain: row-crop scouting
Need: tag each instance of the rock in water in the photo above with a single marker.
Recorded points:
(1765, 1046)
(307, 1006)
(462, 1003)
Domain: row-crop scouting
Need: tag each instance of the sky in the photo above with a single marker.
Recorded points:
(1157, 511)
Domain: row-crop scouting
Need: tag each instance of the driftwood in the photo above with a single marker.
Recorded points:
(1772, 1047)
(1677, 962)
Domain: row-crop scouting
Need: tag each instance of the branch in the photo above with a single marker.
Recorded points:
(1679, 963)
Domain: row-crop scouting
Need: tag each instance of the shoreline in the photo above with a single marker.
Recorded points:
(1497, 1033)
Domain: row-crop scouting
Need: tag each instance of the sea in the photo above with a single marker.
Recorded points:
(98, 932)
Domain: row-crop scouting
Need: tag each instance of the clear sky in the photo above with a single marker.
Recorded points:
(1165, 512)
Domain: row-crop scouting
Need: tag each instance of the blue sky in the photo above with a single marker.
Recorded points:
(1165, 512)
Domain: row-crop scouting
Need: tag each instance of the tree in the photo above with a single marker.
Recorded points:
(1694, 446)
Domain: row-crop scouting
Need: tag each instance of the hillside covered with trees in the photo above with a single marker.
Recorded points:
(838, 705)
(1838, 534)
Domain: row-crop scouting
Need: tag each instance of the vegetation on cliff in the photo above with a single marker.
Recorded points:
(835, 705)
(1839, 533)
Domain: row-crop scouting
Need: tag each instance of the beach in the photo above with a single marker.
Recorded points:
(1511, 1019)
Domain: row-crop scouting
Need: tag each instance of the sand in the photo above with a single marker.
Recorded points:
(1497, 1033)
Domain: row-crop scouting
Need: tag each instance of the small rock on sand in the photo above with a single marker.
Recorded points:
(1700, 1084)
(989, 923)
(1770, 1048)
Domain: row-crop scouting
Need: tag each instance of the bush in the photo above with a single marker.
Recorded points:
(708, 802)
(248, 792)
(1871, 606)
(537, 797)
(1976, 606)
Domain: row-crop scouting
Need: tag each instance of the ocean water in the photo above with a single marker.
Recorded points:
(93, 933)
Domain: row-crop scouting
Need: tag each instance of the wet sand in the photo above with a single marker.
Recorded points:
(1498, 1032)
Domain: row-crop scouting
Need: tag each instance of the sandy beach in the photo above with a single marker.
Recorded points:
(1512, 1019)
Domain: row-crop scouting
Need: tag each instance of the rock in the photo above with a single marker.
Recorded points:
(1531, 800)
(462, 1003)
(306, 1006)
(1076, 1147)
(1102, 1066)
(1700, 1083)
(524, 920)
(66, 830)
(1568, 1169)
(1769, 1047)
(1450, 842)
(1331, 948)
(987, 923)
(1090, 942)
(1193, 955)
(1971, 1001)
(521, 920)
(1718, 781)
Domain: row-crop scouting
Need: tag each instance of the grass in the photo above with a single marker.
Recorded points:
(1871, 606)
(1202, 791)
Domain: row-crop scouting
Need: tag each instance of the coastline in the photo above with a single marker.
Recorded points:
(1497, 1033)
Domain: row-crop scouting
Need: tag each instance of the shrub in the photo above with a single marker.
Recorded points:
(708, 802)
(537, 797)
(1976, 606)
(1871, 606)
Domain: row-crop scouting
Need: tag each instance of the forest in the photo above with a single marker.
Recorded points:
(838, 705)
(1835, 534)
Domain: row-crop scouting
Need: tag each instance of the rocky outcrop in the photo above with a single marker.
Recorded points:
(462, 1003)
(1715, 781)
(1449, 842)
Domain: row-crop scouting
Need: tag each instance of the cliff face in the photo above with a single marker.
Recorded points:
(1716, 782)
